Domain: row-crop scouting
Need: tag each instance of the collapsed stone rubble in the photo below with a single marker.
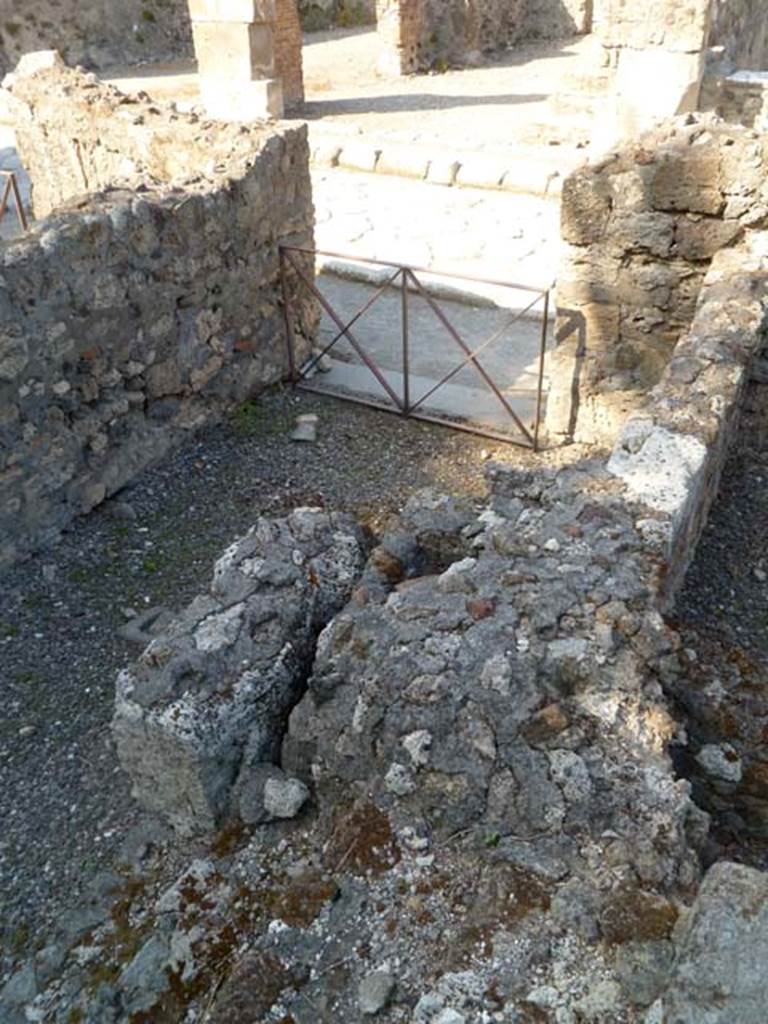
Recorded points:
(498, 833)
(199, 718)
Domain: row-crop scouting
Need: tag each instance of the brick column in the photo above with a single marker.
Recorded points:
(235, 50)
(288, 65)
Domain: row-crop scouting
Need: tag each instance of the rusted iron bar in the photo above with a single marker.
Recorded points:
(465, 348)
(12, 186)
(475, 352)
(467, 428)
(406, 341)
(347, 333)
(419, 270)
(408, 279)
(308, 367)
(540, 383)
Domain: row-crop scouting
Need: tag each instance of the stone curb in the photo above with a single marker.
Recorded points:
(436, 165)
(468, 292)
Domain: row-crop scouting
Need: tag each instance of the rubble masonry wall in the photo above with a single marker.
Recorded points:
(135, 313)
(640, 228)
(95, 33)
(419, 35)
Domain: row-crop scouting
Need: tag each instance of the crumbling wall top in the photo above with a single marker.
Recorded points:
(76, 134)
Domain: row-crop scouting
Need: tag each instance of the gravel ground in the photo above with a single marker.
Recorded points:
(64, 802)
(722, 610)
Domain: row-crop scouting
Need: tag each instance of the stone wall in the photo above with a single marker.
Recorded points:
(671, 452)
(741, 98)
(316, 15)
(96, 33)
(640, 228)
(134, 314)
(419, 35)
(740, 27)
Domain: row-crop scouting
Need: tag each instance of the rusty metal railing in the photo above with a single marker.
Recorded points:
(11, 187)
(405, 279)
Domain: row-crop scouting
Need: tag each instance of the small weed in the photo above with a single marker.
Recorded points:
(492, 840)
(79, 575)
(252, 419)
(148, 15)
(19, 939)
(30, 678)
(151, 565)
(8, 630)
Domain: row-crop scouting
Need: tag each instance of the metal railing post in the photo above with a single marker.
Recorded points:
(287, 317)
(406, 341)
(540, 383)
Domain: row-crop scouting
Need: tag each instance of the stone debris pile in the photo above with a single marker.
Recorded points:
(199, 718)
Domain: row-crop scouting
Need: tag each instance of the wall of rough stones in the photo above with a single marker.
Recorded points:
(95, 33)
(316, 15)
(133, 314)
(741, 98)
(419, 35)
(640, 228)
(740, 27)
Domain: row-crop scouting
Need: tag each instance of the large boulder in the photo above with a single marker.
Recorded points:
(209, 696)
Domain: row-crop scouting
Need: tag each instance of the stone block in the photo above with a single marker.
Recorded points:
(406, 161)
(39, 60)
(242, 101)
(359, 156)
(585, 210)
(481, 170)
(443, 169)
(233, 51)
(700, 239)
(689, 182)
(652, 84)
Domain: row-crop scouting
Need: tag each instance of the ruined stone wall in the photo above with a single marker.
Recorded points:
(640, 229)
(135, 314)
(419, 35)
(76, 134)
(95, 33)
(741, 28)
(741, 98)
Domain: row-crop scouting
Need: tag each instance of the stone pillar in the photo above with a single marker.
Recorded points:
(398, 28)
(656, 52)
(235, 49)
